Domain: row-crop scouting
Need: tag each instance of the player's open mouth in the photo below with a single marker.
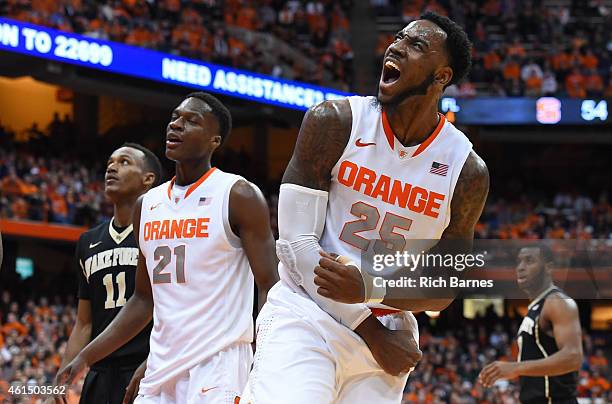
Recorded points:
(111, 178)
(173, 140)
(391, 72)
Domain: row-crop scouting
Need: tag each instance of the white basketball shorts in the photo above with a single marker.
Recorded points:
(304, 356)
(218, 380)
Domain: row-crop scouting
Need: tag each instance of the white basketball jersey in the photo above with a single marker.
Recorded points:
(380, 189)
(200, 277)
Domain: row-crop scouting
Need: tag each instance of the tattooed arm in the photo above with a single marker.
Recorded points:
(466, 207)
(302, 203)
(302, 208)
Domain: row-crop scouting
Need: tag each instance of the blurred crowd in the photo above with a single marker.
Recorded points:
(49, 189)
(219, 31)
(566, 216)
(523, 48)
(69, 190)
(33, 336)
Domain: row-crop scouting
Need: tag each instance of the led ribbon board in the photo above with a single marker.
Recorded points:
(525, 111)
(42, 42)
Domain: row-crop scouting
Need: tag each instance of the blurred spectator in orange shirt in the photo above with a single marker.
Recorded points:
(593, 84)
(411, 11)
(589, 60)
(59, 208)
(246, 17)
(574, 84)
(598, 359)
(533, 85)
(13, 325)
(492, 60)
(491, 8)
(20, 208)
(516, 49)
(512, 70)
(561, 62)
(11, 184)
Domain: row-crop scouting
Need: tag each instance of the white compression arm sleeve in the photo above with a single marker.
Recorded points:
(301, 219)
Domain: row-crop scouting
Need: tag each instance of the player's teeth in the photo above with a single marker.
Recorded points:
(391, 64)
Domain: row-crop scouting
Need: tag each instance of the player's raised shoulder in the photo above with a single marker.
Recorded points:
(324, 133)
(330, 111)
(475, 169)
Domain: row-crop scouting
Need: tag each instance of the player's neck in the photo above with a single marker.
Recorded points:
(535, 293)
(414, 119)
(122, 213)
(188, 172)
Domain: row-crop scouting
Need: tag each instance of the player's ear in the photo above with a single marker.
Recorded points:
(148, 180)
(216, 140)
(548, 267)
(443, 76)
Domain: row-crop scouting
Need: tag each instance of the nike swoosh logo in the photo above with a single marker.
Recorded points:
(204, 391)
(94, 245)
(155, 206)
(358, 143)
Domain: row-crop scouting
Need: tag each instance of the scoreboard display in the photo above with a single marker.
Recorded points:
(526, 111)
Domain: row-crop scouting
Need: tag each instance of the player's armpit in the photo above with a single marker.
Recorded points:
(250, 220)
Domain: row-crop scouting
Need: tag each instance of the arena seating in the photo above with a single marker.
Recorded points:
(33, 335)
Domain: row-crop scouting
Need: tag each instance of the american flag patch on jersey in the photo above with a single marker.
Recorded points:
(204, 201)
(439, 168)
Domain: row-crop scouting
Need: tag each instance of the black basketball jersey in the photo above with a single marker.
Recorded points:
(534, 344)
(106, 261)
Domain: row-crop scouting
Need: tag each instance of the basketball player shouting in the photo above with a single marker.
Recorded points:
(106, 258)
(197, 235)
(365, 170)
(549, 338)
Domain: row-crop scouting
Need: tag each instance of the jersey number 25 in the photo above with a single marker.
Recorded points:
(369, 217)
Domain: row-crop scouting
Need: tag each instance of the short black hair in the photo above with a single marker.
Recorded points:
(546, 253)
(220, 111)
(151, 162)
(458, 45)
